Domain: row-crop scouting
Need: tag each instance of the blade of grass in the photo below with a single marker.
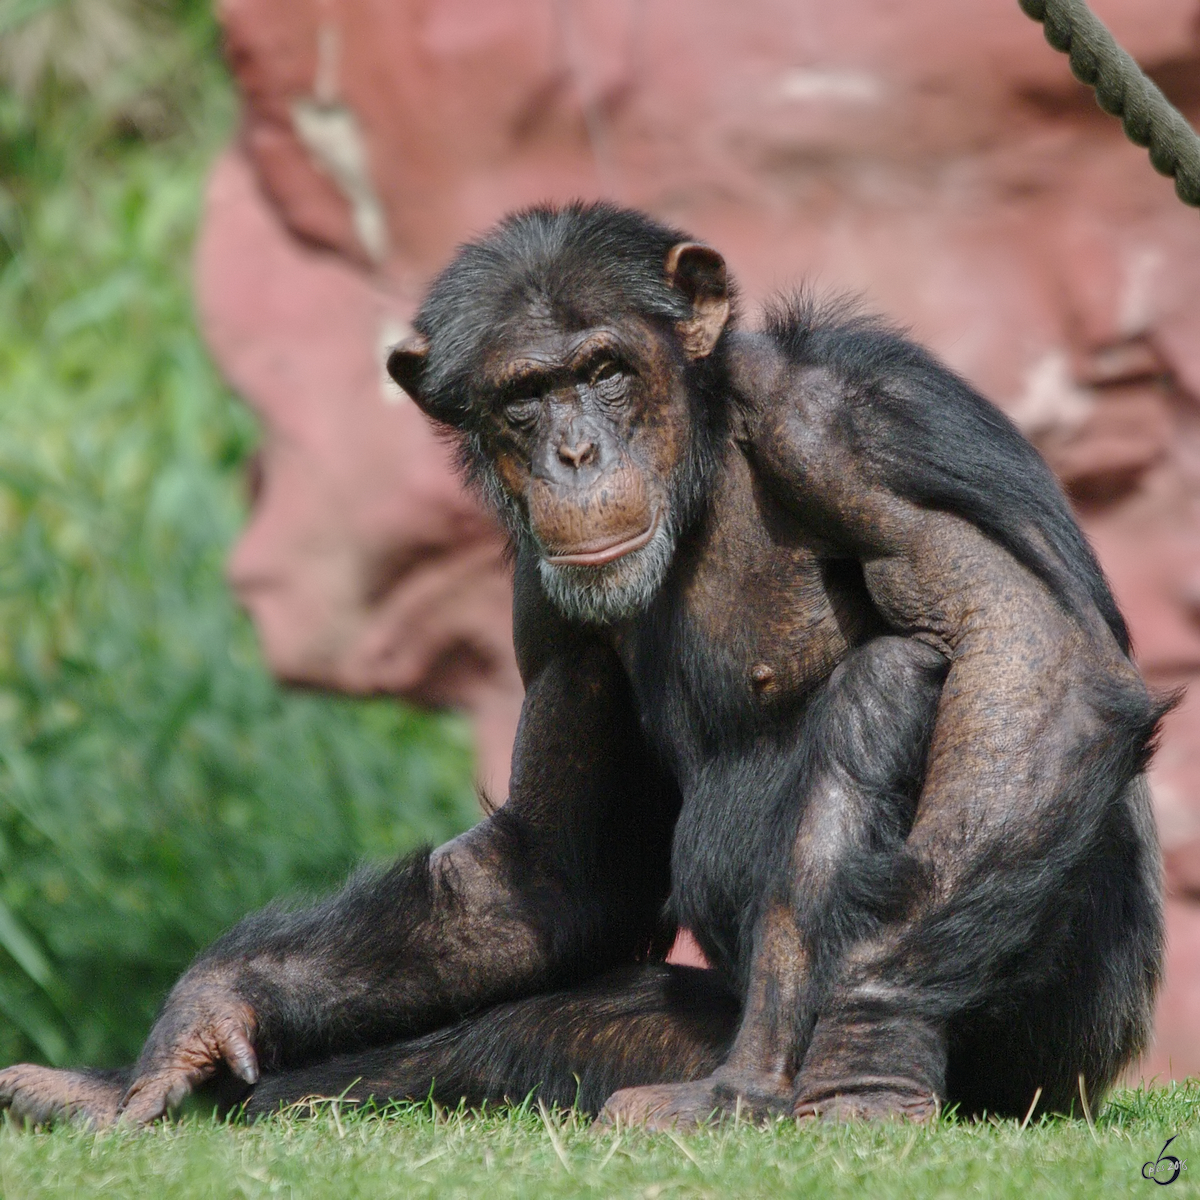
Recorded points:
(1087, 1111)
(683, 1147)
(1032, 1105)
(552, 1130)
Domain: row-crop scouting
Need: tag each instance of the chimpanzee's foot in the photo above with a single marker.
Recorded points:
(662, 1105)
(869, 1067)
(682, 1105)
(854, 1101)
(42, 1095)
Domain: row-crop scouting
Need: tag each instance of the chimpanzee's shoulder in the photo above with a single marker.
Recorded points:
(842, 400)
(852, 378)
(818, 361)
(833, 352)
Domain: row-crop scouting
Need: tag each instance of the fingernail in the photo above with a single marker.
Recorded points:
(247, 1068)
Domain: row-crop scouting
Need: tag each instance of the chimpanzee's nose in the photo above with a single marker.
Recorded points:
(578, 455)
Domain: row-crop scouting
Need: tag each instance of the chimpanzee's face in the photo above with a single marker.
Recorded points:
(582, 437)
(584, 432)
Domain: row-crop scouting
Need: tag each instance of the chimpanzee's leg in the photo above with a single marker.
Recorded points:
(563, 883)
(1029, 969)
(1090, 1015)
(861, 757)
(636, 1025)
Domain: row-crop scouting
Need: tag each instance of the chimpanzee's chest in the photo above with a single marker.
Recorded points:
(758, 611)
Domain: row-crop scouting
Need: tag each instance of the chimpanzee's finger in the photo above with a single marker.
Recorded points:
(150, 1096)
(167, 1082)
(170, 1076)
(10, 1080)
(238, 1052)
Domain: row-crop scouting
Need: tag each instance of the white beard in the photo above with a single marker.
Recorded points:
(617, 590)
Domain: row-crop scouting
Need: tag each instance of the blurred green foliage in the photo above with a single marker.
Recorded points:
(154, 782)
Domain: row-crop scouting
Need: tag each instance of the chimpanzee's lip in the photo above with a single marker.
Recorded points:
(606, 554)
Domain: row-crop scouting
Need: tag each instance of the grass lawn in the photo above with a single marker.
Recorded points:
(416, 1152)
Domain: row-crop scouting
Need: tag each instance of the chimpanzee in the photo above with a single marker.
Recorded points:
(816, 662)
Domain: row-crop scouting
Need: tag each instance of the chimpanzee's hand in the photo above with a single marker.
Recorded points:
(42, 1095)
(203, 1025)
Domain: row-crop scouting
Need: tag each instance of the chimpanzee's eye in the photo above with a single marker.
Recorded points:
(608, 381)
(523, 411)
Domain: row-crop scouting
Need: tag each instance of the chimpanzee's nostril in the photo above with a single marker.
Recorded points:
(578, 455)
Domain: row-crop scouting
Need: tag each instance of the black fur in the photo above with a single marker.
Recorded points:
(565, 1048)
(573, 267)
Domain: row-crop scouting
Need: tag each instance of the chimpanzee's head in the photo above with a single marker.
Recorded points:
(577, 353)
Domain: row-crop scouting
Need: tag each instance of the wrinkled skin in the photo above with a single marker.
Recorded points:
(881, 754)
(42, 1095)
(207, 1029)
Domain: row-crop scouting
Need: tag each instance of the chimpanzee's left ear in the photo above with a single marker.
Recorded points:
(406, 364)
(699, 273)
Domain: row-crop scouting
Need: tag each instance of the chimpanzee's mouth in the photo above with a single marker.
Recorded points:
(603, 555)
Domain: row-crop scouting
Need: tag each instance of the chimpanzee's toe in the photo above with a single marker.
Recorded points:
(662, 1106)
(870, 1104)
(685, 1105)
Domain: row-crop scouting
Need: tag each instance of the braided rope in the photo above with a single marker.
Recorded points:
(1123, 89)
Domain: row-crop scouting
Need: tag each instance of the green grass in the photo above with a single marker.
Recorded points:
(155, 784)
(417, 1152)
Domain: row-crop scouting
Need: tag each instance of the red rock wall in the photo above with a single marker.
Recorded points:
(935, 155)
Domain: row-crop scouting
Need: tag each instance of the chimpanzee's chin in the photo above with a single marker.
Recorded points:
(617, 590)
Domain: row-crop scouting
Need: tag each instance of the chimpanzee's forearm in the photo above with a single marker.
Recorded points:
(392, 954)
(567, 879)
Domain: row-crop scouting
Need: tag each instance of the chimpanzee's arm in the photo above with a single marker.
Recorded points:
(1037, 677)
(566, 879)
(1042, 723)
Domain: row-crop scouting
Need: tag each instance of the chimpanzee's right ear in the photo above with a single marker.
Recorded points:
(406, 364)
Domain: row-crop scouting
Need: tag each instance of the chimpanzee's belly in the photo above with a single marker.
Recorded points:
(728, 723)
(723, 668)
